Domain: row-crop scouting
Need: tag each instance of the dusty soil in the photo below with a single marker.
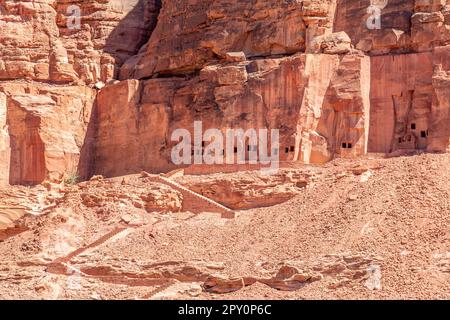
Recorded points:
(370, 228)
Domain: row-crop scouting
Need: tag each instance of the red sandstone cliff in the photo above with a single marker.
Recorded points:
(102, 100)
(309, 68)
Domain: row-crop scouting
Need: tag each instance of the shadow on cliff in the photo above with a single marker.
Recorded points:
(351, 16)
(86, 165)
(125, 41)
(133, 31)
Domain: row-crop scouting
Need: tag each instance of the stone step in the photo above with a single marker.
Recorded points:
(92, 245)
(175, 184)
(227, 212)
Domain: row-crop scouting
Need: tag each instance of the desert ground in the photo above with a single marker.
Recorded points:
(366, 228)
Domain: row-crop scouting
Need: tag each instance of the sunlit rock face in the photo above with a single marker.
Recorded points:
(46, 41)
(47, 128)
(409, 109)
(405, 25)
(191, 34)
(45, 122)
(104, 93)
(318, 102)
(4, 143)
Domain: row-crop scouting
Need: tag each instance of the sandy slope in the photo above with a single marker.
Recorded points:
(366, 228)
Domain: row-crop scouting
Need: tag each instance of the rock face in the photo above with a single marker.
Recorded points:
(320, 102)
(46, 41)
(408, 108)
(405, 25)
(73, 44)
(249, 189)
(47, 128)
(4, 143)
(315, 70)
(191, 34)
(106, 197)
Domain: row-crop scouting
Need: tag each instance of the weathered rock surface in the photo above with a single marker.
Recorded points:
(312, 69)
(191, 34)
(330, 101)
(43, 128)
(348, 235)
(5, 148)
(44, 40)
(47, 128)
(152, 197)
(318, 102)
(102, 97)
(249, 189)
(409, 110)
(405, 26)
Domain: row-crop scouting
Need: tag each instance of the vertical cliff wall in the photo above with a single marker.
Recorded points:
(312, 69)
(54, 57)
(263, 64)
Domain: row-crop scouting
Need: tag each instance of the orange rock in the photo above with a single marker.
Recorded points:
(409, 109)
(47, 128)
(311, 69)
(38, 44)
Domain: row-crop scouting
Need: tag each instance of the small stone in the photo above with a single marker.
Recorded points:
(145, 174)
(126, 218)
(95, 296)
(99, 85)
(97, 178)
(235, 56)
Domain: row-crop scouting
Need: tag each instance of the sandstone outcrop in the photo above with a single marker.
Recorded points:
(191, 34)
(284, 93)
(74, 44)
(47, 128)
(92, 205)
(5, 149)
(409, 110)
(312, 69)
(249, 189)
(405, 26)
(67, 41)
